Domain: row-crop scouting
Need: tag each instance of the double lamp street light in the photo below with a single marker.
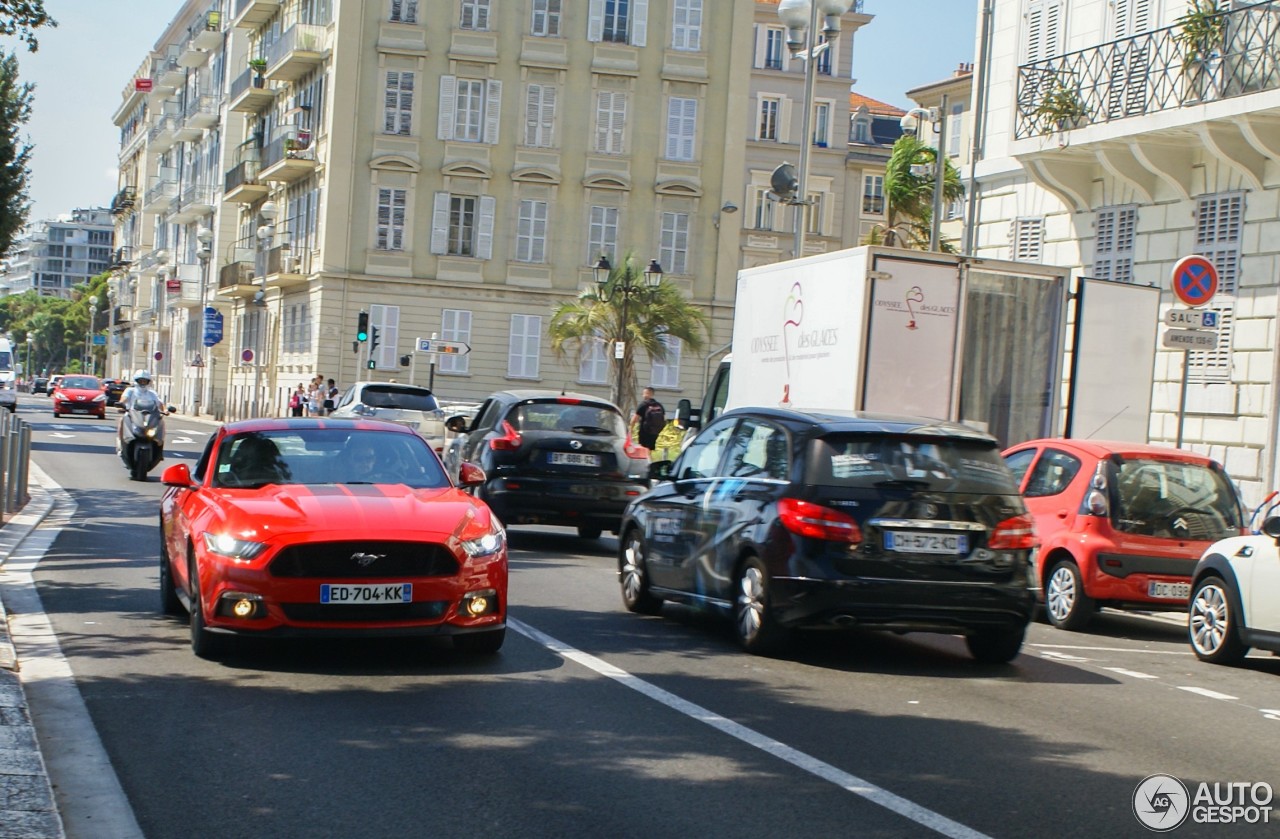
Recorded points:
(628, 285)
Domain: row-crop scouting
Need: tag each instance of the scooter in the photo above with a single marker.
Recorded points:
(140, 438)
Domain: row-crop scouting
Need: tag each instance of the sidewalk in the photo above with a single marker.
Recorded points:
(27, 808)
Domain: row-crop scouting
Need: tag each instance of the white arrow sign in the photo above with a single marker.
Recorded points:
(446, 347)
(1189, 339)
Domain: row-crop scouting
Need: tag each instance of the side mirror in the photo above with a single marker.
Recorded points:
(457, 424)
(177, 475)
(469, 474)
(688, 416)
(1271, 527)
(171, 409)
(660, 470)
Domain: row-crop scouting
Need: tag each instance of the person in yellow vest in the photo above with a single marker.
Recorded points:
(667, 446)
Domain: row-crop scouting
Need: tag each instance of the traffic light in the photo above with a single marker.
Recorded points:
(362, 327)
(373, 342)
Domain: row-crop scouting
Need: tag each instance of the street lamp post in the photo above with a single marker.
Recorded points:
(801, 19)
(628, 286)
(266, 237)
(88, 340)
(205, 236)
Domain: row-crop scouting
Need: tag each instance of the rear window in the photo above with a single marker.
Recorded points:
(1173, 499)
(933, 463)
(572, 417)
(401, 398)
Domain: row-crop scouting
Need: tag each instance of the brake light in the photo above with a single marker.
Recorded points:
(509, 441)
(633, 451)
(1015, 534)
(804, 518)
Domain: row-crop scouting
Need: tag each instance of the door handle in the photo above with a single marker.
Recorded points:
(1062, 514)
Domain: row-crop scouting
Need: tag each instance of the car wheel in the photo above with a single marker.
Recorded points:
(634, 577)
(204, 643)
(1213, 629)
(169, 602)
(1065, 601)
(587, 531)
(480, 643)
(753, 620)
(996, 645)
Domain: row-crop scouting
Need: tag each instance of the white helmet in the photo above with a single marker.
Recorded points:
(142, 375)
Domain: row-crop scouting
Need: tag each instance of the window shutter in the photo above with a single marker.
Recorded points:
(762, 46)
(448, 95)
(784, 120)
(406, 102)
(639, 22)
(391, 102)
(595, 20)
(484, 232)
(1219, 228)
(440, 224)
(492, 110)
(1028, 239)
(532, 114)
(387, 319)
(548, 115)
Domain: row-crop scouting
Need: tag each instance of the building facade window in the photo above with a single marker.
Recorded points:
(296, 336)
(611, 121)
(618, 21)
(826, 62)
(385, 319)
(602, 234)
(404, 11)
(398, 103)
(524, 346)
(954, 124)
(531, 232)
(616, 16)
(1028, 239)
(862, 130)
(593, 367)
(469, 109)
(682, 128)
(775, 44)
(455, 325)
(462, 225)
(1114, 234)
(763, 219)
(686, 25)
(673, 248)
(822, 124)
(813, 214)
(392, 208)
(546, 19)
(1043, 30)
(540, 115)
(767, 124)
(873, 195)
(666, 373)
(475, 15)
(1219, 233)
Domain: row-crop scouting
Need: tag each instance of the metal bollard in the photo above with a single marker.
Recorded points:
(6, 459)
(23, 484)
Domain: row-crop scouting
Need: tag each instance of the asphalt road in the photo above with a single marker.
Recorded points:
(596, 722)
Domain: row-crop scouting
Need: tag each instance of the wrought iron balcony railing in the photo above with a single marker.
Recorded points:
(1160, 70)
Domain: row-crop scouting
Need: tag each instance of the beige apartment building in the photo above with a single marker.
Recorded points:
(454, 168)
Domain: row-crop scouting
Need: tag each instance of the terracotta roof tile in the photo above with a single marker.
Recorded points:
(857, 100)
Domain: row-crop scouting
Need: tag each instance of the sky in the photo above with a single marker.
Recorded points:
(84, 64)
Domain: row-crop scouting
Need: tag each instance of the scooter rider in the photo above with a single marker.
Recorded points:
(141, 385)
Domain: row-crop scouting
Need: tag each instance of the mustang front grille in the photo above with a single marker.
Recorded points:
(371, 560)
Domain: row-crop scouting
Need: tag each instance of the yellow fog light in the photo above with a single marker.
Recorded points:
(242, 608)
(477, 606)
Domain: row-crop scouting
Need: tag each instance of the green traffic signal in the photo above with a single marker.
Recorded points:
(362, 327)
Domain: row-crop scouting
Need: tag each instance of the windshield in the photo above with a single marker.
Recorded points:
(6, 360)
(1174, 500)
(568, 415)
(935, 463)
(146, 401)
(81, 383)
(402, 398)
(314, 456)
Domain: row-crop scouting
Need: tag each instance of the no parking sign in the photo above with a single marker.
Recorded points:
(1195, 280)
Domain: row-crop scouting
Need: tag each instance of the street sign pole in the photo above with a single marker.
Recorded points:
(1182, 397)
(1194, 282)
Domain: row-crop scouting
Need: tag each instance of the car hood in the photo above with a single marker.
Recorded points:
(78, 392)
(388, 511)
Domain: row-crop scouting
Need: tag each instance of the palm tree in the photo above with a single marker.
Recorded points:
(579, 325)
(909, 196)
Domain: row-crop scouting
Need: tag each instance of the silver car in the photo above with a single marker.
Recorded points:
(408, 405)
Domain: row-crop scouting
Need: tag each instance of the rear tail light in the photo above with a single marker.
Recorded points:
(509, 441)
(1015, 534)
(804, 518)
(1095, 500)
(633, 451)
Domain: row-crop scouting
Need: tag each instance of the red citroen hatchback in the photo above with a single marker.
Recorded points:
(1120, 524)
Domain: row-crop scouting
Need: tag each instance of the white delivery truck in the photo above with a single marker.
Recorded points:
(978, 341)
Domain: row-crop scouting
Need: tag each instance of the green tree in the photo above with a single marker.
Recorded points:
(908, 196)
(576, 325)
(15, 155)
(23, 18)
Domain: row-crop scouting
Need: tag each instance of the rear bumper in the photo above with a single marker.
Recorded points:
(908, 606)
(567, 503)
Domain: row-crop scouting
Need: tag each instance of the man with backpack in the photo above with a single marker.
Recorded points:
(650, 418)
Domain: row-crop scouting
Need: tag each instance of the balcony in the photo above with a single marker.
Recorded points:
(144, 317)
(151, 261)
(194, 202)
(187, 278)
(286, 268)
(205, 35)
(169, 74)
(124, 201)
(160, 193)
(250, 14)
(241, 185)
(236, 278)
(298, 51)
(201, 113)
(289, 157)
(1150, 73)
(249, 93)
(163, 134)
(122, 257)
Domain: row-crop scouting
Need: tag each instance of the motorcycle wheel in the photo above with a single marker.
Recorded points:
(141, 463)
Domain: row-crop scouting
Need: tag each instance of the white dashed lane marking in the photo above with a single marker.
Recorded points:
(1212, 694)
(1134, 673)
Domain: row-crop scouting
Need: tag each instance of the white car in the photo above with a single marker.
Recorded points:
(407, 405)
(1235, 597)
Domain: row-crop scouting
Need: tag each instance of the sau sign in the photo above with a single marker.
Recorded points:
(1191, 319)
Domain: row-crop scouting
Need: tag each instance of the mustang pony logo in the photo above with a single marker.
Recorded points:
(914, 295)
(364, 560)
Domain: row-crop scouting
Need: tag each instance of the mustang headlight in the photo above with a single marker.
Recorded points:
(486, 545)
(225, 544)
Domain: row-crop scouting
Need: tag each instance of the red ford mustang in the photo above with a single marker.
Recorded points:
(322, 527)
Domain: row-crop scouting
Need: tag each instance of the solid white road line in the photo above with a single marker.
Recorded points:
(1109, 649)
(1134, 673)
(88, 793)
(852, 783)
(1061, 656)
(1212, 694)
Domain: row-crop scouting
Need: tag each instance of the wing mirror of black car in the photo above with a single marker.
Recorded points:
(1271, 527)
(457, 424)
(660, 470)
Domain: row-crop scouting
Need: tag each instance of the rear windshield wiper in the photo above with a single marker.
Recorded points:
(590, 429)
(903, 483)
